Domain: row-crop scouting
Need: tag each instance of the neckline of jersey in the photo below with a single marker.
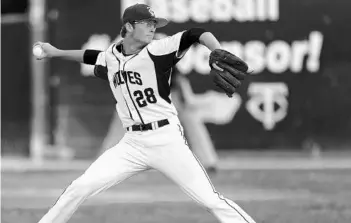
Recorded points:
(119, 48)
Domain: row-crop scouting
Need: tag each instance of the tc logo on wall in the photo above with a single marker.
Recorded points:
(263, 100)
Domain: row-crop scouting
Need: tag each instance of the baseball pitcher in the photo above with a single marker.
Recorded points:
(138, 71)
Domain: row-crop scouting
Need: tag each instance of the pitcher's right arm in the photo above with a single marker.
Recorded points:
(81, 56)
(89, 56)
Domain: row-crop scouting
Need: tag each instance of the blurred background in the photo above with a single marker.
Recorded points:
(297, 100)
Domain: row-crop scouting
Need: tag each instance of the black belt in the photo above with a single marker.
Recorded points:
(148, 126)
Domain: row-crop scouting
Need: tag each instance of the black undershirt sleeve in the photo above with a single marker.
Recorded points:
(190, 37)
(90, 56)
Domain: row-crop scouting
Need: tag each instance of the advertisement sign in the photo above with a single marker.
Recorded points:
(298, 90)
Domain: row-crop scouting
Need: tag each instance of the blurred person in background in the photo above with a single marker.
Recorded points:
(114, 134)
(196, 132)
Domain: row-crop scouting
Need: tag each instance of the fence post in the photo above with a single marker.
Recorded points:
(39, 96)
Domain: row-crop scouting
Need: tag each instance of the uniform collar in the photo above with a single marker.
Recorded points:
(119, 48)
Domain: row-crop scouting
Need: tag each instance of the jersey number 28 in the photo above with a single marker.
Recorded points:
(143, 98)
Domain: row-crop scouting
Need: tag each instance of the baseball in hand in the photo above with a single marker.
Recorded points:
(38, 51)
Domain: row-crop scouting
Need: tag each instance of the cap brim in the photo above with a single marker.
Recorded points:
(161, 22)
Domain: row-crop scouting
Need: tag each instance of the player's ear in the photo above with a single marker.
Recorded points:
(129, 27)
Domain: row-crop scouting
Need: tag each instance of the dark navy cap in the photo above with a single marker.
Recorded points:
(139, 12)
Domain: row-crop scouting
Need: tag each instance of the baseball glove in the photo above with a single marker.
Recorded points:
(234, 70)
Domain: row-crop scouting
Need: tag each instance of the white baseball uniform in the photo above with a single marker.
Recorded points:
(141, 86)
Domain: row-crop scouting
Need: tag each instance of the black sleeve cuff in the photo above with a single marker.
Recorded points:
(100, 72)
(190, 37)
(90, 56)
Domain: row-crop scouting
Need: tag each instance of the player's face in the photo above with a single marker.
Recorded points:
(144, 31)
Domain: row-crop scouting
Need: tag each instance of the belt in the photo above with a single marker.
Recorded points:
(148, 126)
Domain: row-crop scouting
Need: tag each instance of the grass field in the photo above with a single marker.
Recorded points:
(268, 195)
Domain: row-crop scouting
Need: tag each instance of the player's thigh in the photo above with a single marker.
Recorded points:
(179, 164)
(113, 166)
(183, 168)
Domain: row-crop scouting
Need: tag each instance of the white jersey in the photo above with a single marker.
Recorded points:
(141, 82)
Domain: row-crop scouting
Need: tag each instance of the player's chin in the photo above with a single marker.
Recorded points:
(149, 38)
(146, 40)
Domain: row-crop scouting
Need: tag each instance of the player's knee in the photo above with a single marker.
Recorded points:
(211, 205)
(214, 202)
(80, 188)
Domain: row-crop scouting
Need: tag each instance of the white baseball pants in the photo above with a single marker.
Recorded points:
(163, 149)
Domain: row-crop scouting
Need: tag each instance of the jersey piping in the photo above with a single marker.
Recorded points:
(126, 82)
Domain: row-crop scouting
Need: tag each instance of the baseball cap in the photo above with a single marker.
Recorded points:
(139, 12)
